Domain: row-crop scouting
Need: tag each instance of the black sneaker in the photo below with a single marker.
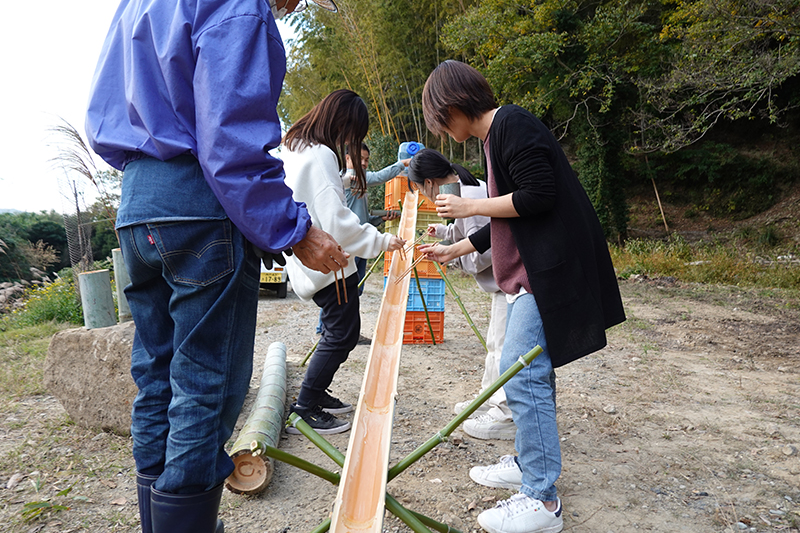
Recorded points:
(322, 422)
(334, 406)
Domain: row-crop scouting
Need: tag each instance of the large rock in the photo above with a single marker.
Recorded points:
(88, 370)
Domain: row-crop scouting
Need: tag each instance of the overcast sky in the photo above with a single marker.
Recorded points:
(48, 51)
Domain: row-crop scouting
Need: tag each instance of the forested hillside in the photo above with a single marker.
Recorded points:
(694, 98)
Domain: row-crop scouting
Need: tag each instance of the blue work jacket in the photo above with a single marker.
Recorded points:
(199, 77)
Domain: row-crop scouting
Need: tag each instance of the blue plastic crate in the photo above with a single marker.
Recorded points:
(432, 290)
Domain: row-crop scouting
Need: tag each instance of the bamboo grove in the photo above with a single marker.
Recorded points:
(622, 83)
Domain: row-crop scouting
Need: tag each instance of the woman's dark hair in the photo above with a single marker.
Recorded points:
(428, 164)
(455, 85)
(340, 120)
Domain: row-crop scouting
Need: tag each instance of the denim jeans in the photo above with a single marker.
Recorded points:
(531, 395)
(193, 296)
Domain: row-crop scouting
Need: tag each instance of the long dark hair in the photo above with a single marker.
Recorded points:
(340, 120)
(454, 85)
(428, 164)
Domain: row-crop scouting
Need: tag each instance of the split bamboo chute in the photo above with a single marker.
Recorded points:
(361, 497)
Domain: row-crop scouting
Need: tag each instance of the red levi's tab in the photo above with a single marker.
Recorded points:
(151, 240)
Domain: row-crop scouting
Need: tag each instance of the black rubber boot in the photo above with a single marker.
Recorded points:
(143, 482)
(186, 513)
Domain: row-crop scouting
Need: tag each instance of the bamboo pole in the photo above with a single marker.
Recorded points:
(460, 304)
(302, 464)
(416, 521)
(442, 435)
(310, 352)
(371, 269)
(96, 299)
(252, 470)
(425, 307)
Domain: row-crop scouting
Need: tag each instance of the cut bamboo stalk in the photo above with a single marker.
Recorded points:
(96, 299)
(359, 505)
(252, 469)
(460, 304)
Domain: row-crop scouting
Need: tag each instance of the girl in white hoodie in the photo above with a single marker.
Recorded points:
(313, 160)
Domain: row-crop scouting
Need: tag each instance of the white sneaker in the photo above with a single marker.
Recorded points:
(521, 514)
(504, 475)
(486, 426)
(460, 406)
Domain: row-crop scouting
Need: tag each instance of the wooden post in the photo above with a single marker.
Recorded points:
(96, 298)
(122, 280)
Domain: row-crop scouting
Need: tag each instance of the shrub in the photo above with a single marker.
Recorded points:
(706, 262)
(57, 302)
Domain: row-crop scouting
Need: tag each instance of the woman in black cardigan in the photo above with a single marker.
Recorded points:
(556, 273)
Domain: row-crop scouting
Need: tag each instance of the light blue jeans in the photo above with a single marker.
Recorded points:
(531, 395)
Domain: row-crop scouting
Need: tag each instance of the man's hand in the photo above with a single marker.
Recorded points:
(319, 251)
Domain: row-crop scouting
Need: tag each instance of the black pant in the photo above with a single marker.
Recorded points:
(341, 328)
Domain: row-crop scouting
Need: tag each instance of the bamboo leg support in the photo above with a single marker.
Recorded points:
(310, 353)
(371, 269)
(424, 306)
(460, 304)
(442, 435)
(415, 519)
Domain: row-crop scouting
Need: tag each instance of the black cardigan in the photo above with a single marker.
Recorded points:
(558, 236)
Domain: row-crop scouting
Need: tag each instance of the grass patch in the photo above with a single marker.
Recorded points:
(712, 263)
(22, 354)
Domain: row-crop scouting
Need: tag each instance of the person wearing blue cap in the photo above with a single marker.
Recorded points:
(184, 101)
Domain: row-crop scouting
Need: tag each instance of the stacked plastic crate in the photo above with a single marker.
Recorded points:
(416, 330)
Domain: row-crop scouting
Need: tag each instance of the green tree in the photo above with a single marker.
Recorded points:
(728, 60)
(575, 65)
(383, 51)
(13, 263)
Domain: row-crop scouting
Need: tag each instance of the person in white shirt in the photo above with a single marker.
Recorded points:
(429, 170)
(313, 160)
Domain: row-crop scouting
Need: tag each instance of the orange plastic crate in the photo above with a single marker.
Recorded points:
(416, 331)
(425, 268)
(396, 190)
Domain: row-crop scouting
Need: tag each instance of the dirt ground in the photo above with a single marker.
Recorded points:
(689, 420)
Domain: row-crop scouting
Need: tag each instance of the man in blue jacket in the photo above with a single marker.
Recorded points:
(184, 101)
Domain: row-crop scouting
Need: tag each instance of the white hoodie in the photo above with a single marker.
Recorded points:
(313, 174)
